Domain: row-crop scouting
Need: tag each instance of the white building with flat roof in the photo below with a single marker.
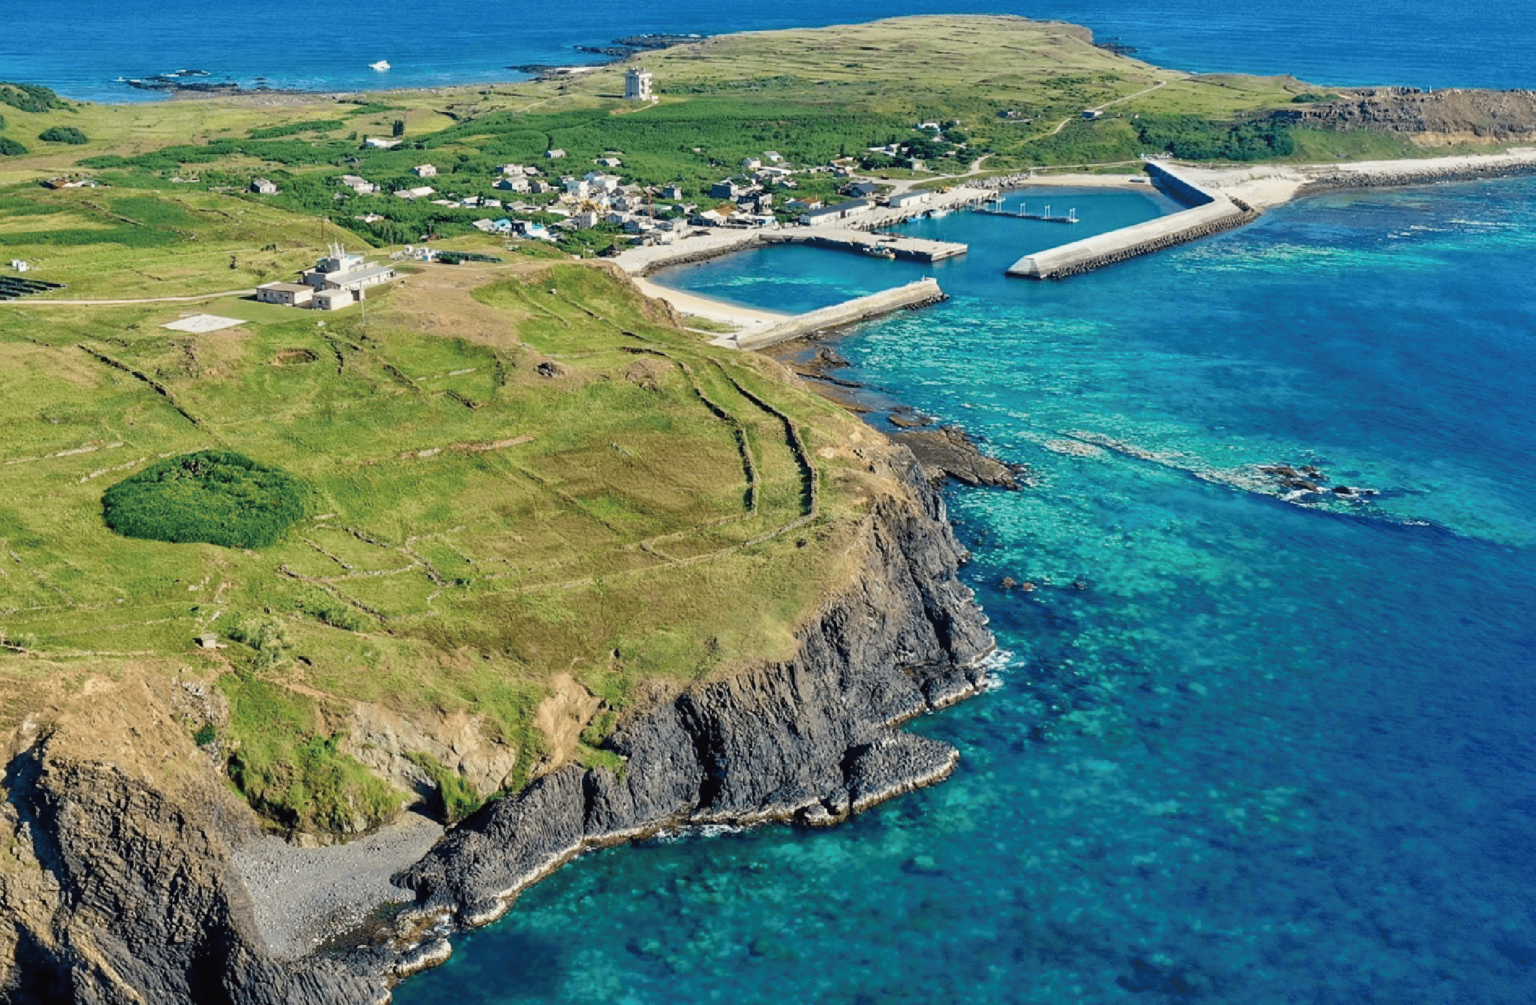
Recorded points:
(285, 294)
(334, 300)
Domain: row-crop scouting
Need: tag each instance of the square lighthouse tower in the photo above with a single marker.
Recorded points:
(637, 85)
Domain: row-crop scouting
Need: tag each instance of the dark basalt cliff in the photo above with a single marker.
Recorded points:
(1454, 114)
(123, 892)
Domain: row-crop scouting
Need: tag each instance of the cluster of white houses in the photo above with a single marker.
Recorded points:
(760, 195)
(337, 280)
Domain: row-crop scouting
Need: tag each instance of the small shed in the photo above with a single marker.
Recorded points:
(424, 171)
(263, 186)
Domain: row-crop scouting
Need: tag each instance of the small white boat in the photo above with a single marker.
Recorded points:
(381, 65)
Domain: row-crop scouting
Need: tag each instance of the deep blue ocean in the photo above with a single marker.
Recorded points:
(1270, 754)
(82, 47)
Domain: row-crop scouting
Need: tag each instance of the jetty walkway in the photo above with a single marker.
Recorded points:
(1209, 212)
(911, 296)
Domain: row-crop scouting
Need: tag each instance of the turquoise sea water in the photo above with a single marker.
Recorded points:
(1271, 754)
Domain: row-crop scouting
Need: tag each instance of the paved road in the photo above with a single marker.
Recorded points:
(146, 300)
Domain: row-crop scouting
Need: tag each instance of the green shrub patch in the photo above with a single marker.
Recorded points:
(63, 134)
(220, 497)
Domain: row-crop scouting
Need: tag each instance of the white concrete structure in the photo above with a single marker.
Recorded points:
(907, 199)
(21, 266)
(199, 324)
(637, 85)
(262, 186)
(379, 143)
(424, 171)
(554, 155)
(354, 280)
(832, 214)
(334, 300)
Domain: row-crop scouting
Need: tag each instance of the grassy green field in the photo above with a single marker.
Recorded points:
(479, 527)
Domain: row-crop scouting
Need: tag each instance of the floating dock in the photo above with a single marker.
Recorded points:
(1208, 213)
(1023, 213)
(911, 296)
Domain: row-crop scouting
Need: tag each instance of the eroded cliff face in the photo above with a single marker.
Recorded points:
(1437, 117)
(120, 887)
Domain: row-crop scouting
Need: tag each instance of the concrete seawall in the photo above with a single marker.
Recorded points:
(1344, 178)
(644, 261)
(1209, 213)
(924, 291)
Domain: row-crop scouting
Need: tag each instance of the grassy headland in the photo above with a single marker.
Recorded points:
(522, 474)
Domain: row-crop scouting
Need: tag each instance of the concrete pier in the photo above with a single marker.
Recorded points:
(719, 241)
(1208, 213)
(913, 248)
(912, 295)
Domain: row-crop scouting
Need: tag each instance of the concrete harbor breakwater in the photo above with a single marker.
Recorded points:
(918, 294)
(1208, 213)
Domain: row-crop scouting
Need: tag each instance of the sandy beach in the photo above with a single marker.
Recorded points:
(691, 305)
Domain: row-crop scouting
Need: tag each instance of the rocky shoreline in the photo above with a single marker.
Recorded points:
(943, 452)
(133, 888)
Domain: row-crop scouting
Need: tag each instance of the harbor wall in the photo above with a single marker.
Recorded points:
(644, 261)
(924, 291)
(1209, 213)
(1181, 189)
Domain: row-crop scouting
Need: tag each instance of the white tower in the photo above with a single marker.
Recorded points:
(637, 85)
